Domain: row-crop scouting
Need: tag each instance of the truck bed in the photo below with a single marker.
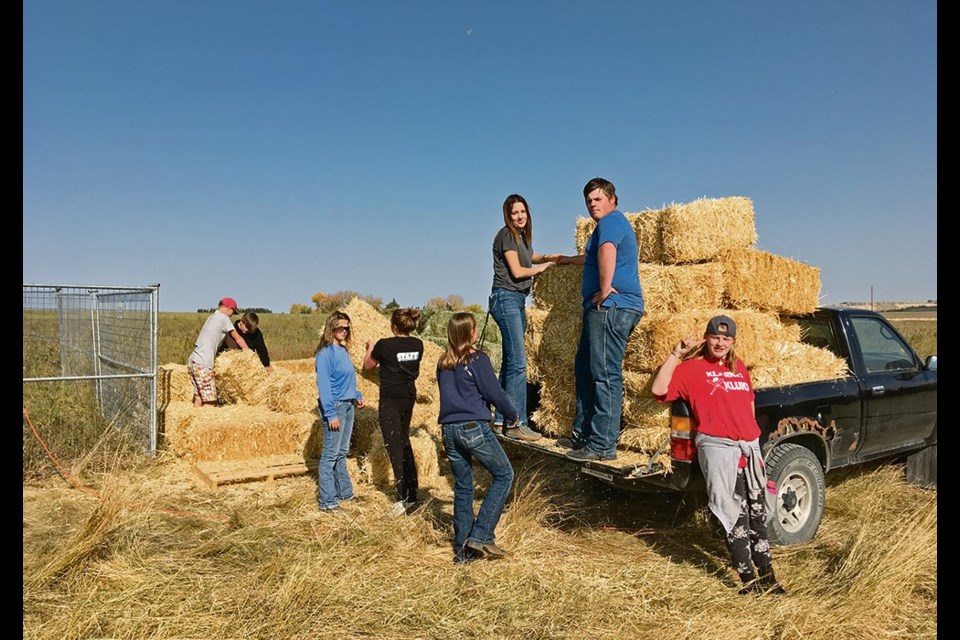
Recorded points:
(629, 465)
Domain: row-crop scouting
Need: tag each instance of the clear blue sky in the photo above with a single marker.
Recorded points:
(270, 150)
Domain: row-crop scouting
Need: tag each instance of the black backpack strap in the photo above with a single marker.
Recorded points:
(483, 332)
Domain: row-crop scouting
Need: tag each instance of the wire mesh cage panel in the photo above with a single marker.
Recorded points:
(104, 334)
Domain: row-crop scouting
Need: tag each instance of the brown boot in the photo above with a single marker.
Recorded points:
(521, 432)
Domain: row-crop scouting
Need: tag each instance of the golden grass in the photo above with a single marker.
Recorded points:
(162, 559)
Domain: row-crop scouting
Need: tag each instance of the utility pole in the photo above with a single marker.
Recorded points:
(871, 297)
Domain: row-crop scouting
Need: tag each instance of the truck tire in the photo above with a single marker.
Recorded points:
(794, 513)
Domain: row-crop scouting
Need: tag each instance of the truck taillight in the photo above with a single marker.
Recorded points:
(682, 446)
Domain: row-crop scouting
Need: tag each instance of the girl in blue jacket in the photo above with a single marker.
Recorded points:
(468, 386)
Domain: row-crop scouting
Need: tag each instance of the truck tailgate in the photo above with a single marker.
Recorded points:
(628, 465)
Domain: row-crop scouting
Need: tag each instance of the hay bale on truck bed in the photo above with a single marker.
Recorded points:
(657, 333)
(697, 260)
(646, 226)
(676, 288)
(698, 231)
(756, 279)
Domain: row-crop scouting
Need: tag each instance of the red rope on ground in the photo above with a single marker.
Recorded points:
(76, 484)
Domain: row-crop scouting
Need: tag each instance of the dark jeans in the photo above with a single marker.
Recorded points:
(598, 373)
(747, 541)
(463, 443)
(395, 415)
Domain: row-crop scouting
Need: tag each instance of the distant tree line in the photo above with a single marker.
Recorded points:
(325, 303)
(244, 310)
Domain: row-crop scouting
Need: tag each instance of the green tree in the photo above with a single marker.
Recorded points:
(329, 302)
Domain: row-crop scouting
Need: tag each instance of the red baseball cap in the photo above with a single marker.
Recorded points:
(229, 302)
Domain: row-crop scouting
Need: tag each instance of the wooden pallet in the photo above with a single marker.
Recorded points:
(215, 474)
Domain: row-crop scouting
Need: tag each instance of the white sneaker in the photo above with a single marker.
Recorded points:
(399, 508)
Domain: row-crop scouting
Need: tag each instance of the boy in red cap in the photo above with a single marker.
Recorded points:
(200, 363)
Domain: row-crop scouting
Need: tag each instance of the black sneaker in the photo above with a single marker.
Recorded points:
(569, 443)
(587, 455)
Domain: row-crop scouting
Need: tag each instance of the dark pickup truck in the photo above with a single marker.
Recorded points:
(885, 408)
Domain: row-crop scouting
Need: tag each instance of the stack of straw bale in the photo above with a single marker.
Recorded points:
(697, 260)
(275, 412)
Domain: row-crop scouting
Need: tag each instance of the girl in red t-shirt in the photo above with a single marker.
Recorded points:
(717, 387)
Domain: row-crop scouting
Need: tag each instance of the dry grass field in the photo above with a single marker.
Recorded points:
(147, 553)
(126, 547)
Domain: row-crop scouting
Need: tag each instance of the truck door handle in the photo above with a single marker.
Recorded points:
(878, 390)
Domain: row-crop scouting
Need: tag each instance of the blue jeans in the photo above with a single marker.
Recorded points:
(598, 371)
(464, 441)
(334, 480)
(509, 311)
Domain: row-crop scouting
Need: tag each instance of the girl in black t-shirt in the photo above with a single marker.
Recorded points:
(399, 361)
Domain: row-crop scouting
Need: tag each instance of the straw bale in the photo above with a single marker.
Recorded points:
(558, 346)
(657, 333)
(584, 227)
(426, 453)
(302, 365)
(375, 466)
(241, 377)
(646, 226)
(174, 384)
(760, 280)
(369, 389)
(366, 431)
(235, 432)
(366, 324)
(178, 418)
(288, 392)
(374, 463)
(536, 321)
(558, 289)
(428, 390)
(675, 288)
(425, 417)
(797, 363)
(554, 417)
(646, 422)
(700, 230)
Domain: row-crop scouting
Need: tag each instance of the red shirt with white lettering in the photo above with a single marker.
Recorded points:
(721, 400)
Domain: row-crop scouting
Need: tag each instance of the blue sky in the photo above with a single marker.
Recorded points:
(271, 150)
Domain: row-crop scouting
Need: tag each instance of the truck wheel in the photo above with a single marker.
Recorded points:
(795, 513)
